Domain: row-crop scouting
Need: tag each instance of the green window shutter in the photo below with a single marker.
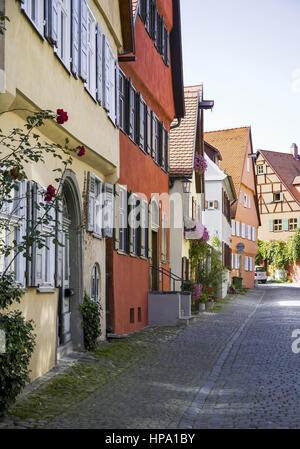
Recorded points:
(285, 224)
(271, 225)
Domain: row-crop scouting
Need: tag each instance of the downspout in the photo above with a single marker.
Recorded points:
(176, 124)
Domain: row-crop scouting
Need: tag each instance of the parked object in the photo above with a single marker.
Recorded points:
(237, 282)
(260, 274)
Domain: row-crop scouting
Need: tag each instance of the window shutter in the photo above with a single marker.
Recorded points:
(149, 230)
(37, 253)
(243, 230)
(105, 74)
(160, 157)
(281, 196)
(206, 204)
(166, 149)
(142, 10)
(83, 68)
(51, 16)
(98, 64)
(255, 169)
(246, 263)
(285, 224)
(254, 234)
(130, 222)
(59, 248)
(271, 225)
(249, 202)
(21, 211)
(298, 223)
(24, 5)
(116, 217)
(75, 38)
(216, 204)
(163, 38)
(91, 202)
(117, 93)
(265, 169)
(149, 133)
(167, 48)
(153, 134)
(143, 227)
(147, 15)
(154, 21)
(108, 209)
(232, 227)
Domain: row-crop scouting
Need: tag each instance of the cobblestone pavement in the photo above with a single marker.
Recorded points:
(231, 369)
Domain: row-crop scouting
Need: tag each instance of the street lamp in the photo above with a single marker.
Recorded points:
(186, 185)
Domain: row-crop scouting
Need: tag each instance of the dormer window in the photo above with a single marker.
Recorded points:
(277, 197)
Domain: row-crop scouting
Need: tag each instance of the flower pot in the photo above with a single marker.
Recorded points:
(201, 306)
(209, 305)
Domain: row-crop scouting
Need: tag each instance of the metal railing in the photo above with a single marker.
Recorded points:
(168, 273)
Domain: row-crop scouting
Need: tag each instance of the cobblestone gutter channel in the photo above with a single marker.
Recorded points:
(158, 378)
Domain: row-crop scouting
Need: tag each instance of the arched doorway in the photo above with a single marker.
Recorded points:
(69, 268)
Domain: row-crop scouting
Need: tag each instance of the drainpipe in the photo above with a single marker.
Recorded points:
(177, 124)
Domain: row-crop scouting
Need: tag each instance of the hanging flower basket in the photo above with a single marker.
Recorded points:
(200, 164)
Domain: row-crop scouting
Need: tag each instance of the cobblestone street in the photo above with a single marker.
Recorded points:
(234, 368)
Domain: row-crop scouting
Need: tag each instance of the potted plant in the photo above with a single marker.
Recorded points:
(198, 301)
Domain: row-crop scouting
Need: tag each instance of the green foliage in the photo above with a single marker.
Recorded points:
(15, 360)
(206, 264)
(294, 247)
(9, 291)
(3, 18)
(90, 311)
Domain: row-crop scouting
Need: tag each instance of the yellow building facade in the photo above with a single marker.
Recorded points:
(67, 57)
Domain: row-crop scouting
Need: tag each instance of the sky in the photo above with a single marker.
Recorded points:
(247, 55)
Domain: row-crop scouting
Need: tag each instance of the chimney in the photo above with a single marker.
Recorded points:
(294, 151)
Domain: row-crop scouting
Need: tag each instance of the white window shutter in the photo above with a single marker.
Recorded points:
(243, 230)
(246, 263)
(108, 210)
(83, 40)
(37, 253)
(232, 227)
(98, 63)
(51, 16)
(24, 5)
(106, 73)
(249, 201)
(149, 230)
(254, 234)
(91, 201)
(237, 228)
(116, 216)
(117, 90)
(75, 37)
(21, 211)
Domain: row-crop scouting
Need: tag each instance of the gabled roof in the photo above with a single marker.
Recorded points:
(182, 139)
(286, 167)
(232, 144)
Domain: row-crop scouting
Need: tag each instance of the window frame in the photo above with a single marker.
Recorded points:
(277, 225)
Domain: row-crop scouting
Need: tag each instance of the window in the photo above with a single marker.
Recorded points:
(277, 225)
(91, 54)
(277, 197)
(122, 100)
(293, 224)
(94, 219)
(64, 34)
(211, 205)
(95, 284)
(261, 169)
(34, 10)
(139, 314)
(109, 80)
(248, 164)
(245, 200)
(132, 113)
(122, 218)
(131, 315)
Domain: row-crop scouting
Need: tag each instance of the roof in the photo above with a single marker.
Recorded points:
(182, 139)
(232, 144)
(286, 167)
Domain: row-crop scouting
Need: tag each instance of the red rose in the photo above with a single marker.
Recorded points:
(48, 197)
(51, 190)
(81, 151)
(60, 120)
(14, 174)
(60, 111)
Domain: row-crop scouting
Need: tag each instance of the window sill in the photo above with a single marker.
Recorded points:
(122, 253)
(33, 25)
(97, 236)
(91, 95)
(46, 289)
(62, 62)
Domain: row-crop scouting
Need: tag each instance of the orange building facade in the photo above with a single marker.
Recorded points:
(235, 146)
(151, 96)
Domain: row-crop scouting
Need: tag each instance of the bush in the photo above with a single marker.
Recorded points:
(90, 311)
(14, 362)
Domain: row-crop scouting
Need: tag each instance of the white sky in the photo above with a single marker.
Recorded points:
(247, 54)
